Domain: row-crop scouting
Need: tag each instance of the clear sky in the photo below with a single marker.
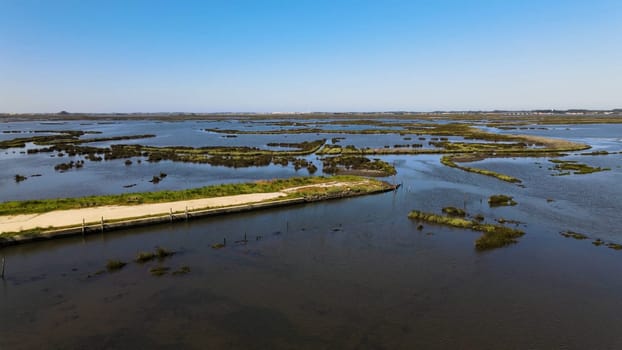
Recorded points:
(309, 55)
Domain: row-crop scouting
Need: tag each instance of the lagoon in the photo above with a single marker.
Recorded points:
(353, 273)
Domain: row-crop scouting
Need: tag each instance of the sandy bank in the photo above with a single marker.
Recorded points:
(73, 217)
(93, 215)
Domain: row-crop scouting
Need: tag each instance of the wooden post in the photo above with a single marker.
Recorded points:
(224, 242)
(83, 228)
(171, 214)
(102, 224)
(186, 213)
(3, 263)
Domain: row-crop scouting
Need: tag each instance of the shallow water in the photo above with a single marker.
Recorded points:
(352, 273)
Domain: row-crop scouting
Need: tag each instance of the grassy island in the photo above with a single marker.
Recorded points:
(494, 236)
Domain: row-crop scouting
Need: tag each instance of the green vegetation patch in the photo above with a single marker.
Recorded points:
(160, 253)
(567, 167)
(494, 236)
(614, 246)
(575, 235)
(448, 161)
(64, 137)
(498, 200)
(453, 211)
(357, 165)
(596, 242)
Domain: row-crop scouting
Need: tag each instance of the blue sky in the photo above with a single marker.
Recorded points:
(212, 56)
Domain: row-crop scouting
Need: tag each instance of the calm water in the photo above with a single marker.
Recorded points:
(353, 273)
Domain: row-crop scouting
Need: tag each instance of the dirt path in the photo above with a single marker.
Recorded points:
(71, 217)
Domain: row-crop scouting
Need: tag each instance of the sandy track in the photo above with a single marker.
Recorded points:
(72, 217)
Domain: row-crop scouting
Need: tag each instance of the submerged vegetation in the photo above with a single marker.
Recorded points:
(143, 257)
(115, 265)
(575, 235)
(493, 236)
(159, 270)
(596, 242)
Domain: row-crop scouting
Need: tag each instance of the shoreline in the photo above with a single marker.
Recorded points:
(90, 228)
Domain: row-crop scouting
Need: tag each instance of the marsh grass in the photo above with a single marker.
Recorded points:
(493, 236)
(448, 161)
(160, 253)
(357, 164)
(453, 211)
(567, 167)
(499, 200)
(596, 242)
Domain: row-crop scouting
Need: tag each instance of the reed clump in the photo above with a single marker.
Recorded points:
(499, 200)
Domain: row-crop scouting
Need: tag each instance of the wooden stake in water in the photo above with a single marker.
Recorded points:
(83, 228)
(3, 263)
(171, 214)
(186, 213)
(102, 224)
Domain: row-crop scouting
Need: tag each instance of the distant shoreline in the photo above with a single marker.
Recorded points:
(572, 114)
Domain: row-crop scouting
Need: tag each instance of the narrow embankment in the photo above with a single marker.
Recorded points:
(25, 227)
